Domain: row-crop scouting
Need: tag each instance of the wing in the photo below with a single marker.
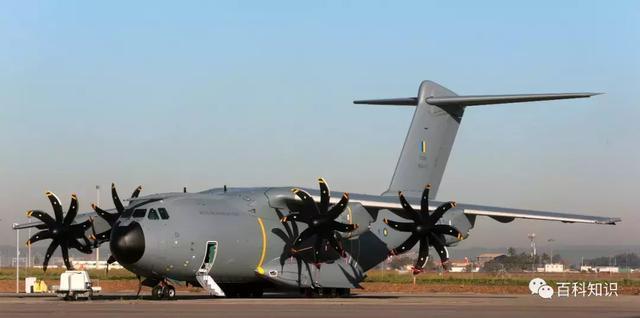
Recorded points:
(508, 214)
(498, 213)
(79, 219)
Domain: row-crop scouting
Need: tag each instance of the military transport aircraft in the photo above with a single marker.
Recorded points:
(239, 241)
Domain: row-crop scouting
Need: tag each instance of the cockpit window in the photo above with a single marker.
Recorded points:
(126, 213)
(153, 215)
(163, 213)
(139, 213)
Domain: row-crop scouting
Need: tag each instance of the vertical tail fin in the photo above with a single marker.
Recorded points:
(433, 130)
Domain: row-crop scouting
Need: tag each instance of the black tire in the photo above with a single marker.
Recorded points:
(329, 292)
(344, 292)
(169, 292)
(157, 292)
(257, 293)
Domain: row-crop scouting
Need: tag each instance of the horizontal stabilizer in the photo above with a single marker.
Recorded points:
(501, 99)
(474, 100)
(409, 101)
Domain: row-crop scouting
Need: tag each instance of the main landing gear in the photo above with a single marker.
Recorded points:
(163, 291)
(326, 292)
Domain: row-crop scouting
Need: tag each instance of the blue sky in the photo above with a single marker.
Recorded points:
(202, 94)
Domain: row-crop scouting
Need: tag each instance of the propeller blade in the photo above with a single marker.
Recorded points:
(44, 217)
(424, 203)
(337, 209)
(73, 210)
(286, 252)
(448, 230)
(337, 245)
(296, 216)
(440, 211)
(139, 286)
(79, 228)
(423, 254)
(80, 247)
(317, 248)
(441, 249)
(102, 236)
(55, 203)
(41, 235)
(400, 226)
(64, 247)
(407, 207)
(280, 233)
(324, 196)
(108, 217)
(406, 246)
(306, 234)
(286, 225)
(52, 247)
(136, 192)
(110, 261)
(342, 227)
(309, 205)
(116, 199)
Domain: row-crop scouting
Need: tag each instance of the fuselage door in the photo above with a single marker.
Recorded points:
(209, 257)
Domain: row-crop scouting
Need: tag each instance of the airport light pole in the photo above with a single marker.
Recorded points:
(28, 265)
(17, 258)
(551, 244)
(97, 245)
(532, 238)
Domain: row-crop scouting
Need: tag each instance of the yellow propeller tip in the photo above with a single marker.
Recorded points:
(48, 193)
(29, 213)
(385, 221)
(295, 190)
(321, 180)
(453, 204)
(428, 186)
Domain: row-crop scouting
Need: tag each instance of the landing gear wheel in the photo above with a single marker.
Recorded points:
(157, 292)
(329, 292)
(257, 293)
(169, 292)
(343, 292)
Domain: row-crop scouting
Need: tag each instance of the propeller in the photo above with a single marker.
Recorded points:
(61, 230)
(320, 220)
(424, 230)
(111, 217)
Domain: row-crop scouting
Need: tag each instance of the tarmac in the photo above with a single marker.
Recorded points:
(371, 305)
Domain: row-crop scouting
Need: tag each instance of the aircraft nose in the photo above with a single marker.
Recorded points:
(127, 243)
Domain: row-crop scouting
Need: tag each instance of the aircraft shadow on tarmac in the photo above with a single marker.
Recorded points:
(296, 296)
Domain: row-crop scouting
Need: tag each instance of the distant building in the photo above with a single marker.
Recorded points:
(486, 257)
(554, 268)
(459, 265)
(600, 269)
(92, 265)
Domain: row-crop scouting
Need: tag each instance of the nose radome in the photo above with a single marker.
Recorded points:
(127, 243)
